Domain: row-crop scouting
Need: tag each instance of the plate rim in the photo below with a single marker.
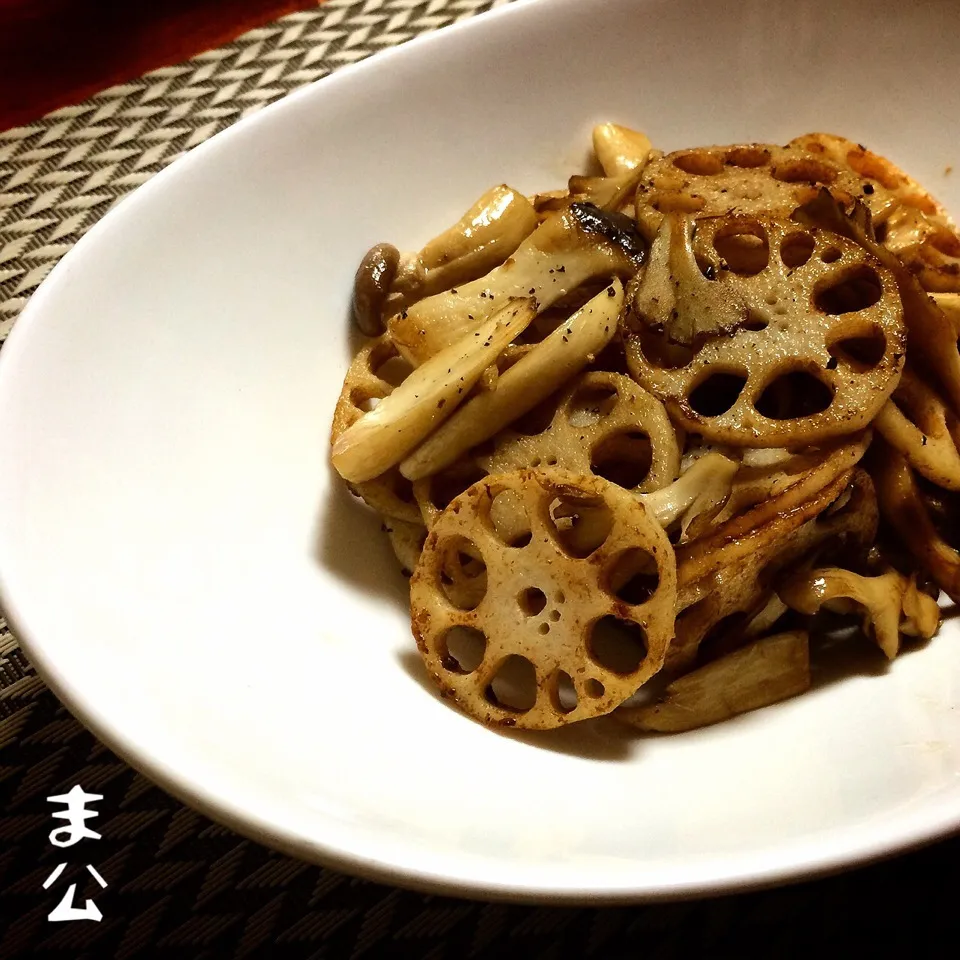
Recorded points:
(409, 875)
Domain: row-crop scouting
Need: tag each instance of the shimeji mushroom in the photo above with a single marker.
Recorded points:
(530, 380)
(619, 149)
(570, 248)
(383, 436)
(758, 675)
(701, 490)
(891, 603)
(488, 233)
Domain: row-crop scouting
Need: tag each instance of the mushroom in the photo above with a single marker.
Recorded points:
(903, 507)
(758, 675)
(700, 491)
(519, 389)
(570, 248)
(371, 286)
(488, 233)
(891, 603)
(918, 422)
(383, 436)
(619, 149)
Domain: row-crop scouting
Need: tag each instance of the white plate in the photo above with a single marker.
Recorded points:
(188, 577)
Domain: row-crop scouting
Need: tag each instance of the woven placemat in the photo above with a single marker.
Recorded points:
(181, 886)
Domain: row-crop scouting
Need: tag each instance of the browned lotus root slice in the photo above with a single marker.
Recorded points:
(603, 423)
(721, 604)
(577, 609)
(792, 336)
(750, 178)
(406, 540)
(903, 507)
(435, 492)
(912, 223)
(918, 423)
(375, 371)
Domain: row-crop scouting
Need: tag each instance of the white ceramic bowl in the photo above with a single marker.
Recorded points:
(187, 575)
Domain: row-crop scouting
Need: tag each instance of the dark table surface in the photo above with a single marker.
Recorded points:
(181, 886)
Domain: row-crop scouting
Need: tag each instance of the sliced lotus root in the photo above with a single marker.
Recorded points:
(918, 423)
(576, 610)
(750, 178)
(603, 424)
(757, 332)
(406, 540)
(435, 492)
(375, 371)
(909, 220)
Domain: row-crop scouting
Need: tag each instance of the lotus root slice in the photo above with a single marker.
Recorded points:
(573, 609)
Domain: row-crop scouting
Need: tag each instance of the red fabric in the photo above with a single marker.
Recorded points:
(57, 52)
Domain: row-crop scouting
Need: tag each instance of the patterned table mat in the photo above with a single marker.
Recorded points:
(179, 885)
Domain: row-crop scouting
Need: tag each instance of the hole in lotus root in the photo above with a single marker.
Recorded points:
(699, 163)
(708, 270)
(462, 573)
(564, 695)
(531, 601)
(394, 370)
(754, 321)
(590, 403)
(580, 523)
(633, 577)
(660, 352)
(831, 255)
(717, 393)
(448, 484)
(514, 686)
(743, 245)
(797, 249)
(794, 395)
(363, 401)
(619, 646)
(749, 157)
(804, 170)
(623, 458)
(509, 520)
(856, 289)
(462, 649)
(535, 421)
(861, 353)
(593, 688)
(872, 167)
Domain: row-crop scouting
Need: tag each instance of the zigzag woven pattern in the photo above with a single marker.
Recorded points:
(60, 175)
(181, 886)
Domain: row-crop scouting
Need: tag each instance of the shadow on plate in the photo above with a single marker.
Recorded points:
(602, 739)
(351, 544)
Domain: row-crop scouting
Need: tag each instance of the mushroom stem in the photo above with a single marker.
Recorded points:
(531, 379)
(383, 436)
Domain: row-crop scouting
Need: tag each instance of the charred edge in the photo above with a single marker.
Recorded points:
(619, 229)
